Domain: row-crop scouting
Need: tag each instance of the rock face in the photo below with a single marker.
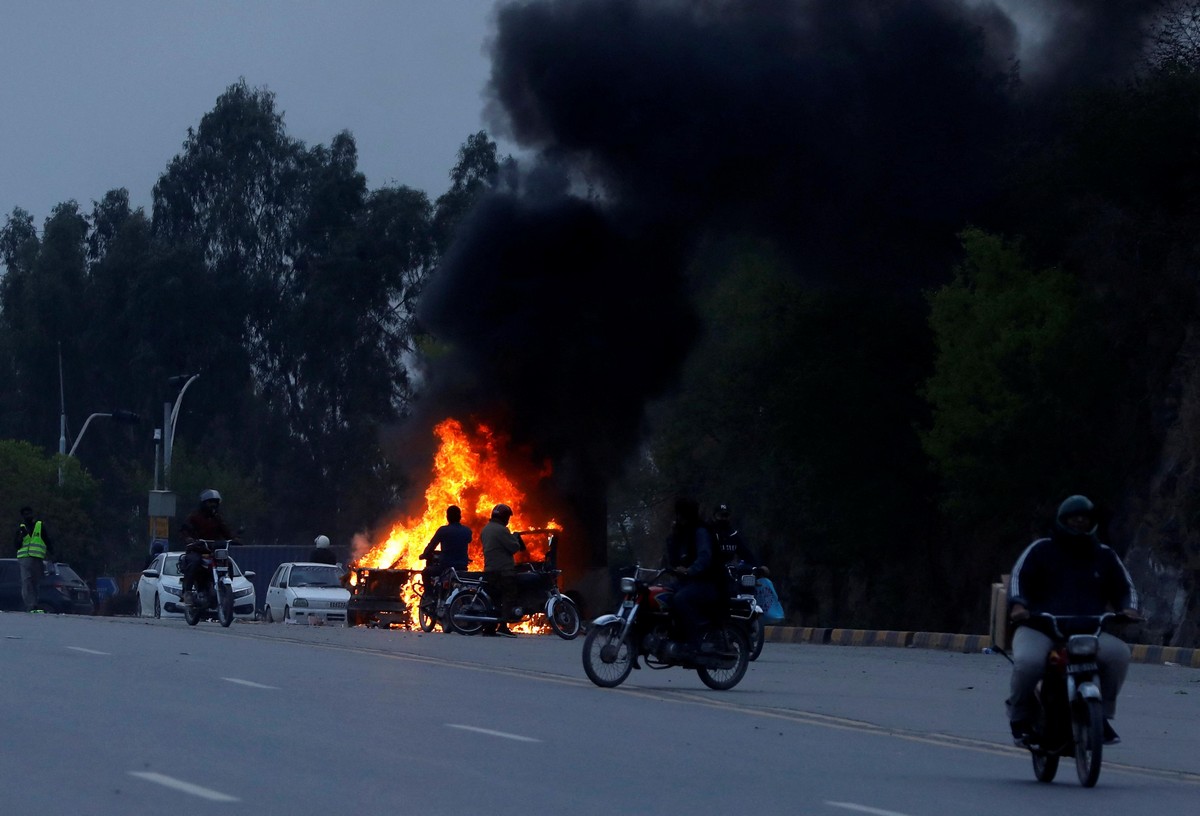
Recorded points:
(1167, 599)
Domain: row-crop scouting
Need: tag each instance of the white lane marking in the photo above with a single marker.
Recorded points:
(89, 651)
(492, 733)
(865, 809)
(249, 683)
(186, 787)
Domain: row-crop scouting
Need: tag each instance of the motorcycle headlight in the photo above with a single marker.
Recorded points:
(242, 593)
(748, 580)
(1083, 645)
(628, 585)
(170, 590)
(301, 602)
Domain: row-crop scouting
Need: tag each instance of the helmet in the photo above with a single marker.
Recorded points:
(1075, 506)
(722, 512)
(321, 541)
(502, 511)
(210, 495)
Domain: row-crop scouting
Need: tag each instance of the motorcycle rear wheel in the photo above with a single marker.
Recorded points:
(607, 657)
(1088, 725)
(727, 639)
(468, 602)
(225, 606)
(191, 612)
(563, 616)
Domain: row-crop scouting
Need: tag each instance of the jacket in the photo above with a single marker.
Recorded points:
(1062, 576)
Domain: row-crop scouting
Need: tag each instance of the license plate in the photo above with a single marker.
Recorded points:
(1082, 668)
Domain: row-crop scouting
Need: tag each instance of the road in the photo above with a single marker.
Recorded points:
(133, 716)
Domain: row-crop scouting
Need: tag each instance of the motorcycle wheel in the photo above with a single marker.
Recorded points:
(607, 657)
(1088, 725)
(468, 602)
(1045, 766)
(225, 607)
(191, 613)
(728, 639)
(425, 612)
(563, 616)
(758, 634)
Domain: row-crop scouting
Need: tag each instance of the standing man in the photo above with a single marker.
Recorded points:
(33, 543)
(499, 567)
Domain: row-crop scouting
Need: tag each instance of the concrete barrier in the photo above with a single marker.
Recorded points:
(1141, 653)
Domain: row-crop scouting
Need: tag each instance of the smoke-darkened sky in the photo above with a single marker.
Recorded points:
(857, 137)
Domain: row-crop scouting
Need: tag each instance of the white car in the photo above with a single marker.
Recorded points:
(304, 592)
(160, 585)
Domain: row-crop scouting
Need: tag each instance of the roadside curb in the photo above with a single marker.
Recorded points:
(1140, 653)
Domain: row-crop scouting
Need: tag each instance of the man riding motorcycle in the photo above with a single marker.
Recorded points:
(202, 526)
(1069, 573)
(704, 582)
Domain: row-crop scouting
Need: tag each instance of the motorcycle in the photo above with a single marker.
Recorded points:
(746, 580)
(1071, 719)
(470, 606)
(644, 627)
(213, 600)
(431, 610)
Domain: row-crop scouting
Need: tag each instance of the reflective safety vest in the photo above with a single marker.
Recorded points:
(32, 545)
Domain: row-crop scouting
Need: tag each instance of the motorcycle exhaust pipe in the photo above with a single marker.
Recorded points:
(477, 618)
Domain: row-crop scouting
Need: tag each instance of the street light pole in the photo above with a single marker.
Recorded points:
(119, 416)
(170, 417)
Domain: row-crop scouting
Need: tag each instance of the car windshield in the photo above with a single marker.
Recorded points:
(315, 577)
(68, 574)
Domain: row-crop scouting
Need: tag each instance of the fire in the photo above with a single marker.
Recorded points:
(467, 472)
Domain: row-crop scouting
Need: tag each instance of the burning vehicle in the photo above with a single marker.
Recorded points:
(387, 581)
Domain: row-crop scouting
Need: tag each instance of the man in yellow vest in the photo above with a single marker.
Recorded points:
(33, 543)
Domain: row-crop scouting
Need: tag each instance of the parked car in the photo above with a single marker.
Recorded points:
(160, 586)
(304, 592)
(60, 590)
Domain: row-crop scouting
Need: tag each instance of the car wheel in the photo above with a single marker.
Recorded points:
(157, 606)
(267, 616)
(286, 612)
(137, 605)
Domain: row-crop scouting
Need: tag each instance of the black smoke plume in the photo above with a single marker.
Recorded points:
(856, 137)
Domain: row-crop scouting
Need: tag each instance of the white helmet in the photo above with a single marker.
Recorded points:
(210, 495)
(321, 541)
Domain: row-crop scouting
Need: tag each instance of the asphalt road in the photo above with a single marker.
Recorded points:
(131, 716)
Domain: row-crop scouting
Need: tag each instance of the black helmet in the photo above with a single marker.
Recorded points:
(501, 512)
(1075, 506)
(722, 512)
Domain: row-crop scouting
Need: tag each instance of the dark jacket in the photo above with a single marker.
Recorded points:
(453, 539)
(499, 547)
(201, 525)
(322, 555)
(1071, 575)
(691, 549)
(730, 547)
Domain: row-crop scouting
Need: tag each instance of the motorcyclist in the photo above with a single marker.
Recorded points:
(703, 578)
(202, 526)
(499, 567)
(731, 550)
(1069, 573)
(446, 549)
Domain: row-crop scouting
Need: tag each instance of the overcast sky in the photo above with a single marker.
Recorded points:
(99, 94)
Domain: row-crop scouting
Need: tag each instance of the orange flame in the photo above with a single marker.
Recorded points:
(467, 472)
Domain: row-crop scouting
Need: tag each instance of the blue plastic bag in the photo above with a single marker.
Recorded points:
(768, 599)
